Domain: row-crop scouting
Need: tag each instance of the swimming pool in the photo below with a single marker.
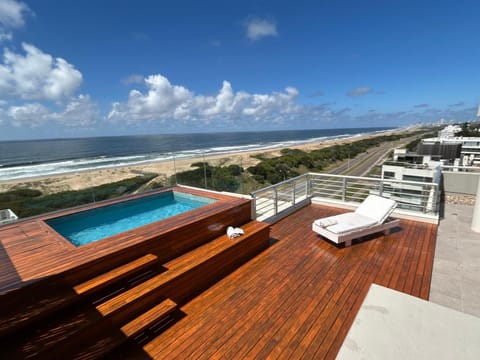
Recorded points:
(88, 226)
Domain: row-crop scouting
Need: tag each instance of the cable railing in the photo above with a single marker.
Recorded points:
(417, 197)
(289, 194)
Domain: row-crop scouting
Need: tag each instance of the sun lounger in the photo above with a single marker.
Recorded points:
(370, 217)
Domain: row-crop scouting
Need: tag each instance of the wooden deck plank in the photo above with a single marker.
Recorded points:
(427, 275)
(148, 318)
(407, 247)
(298, 298)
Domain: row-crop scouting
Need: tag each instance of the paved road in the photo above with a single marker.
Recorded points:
(363, 163)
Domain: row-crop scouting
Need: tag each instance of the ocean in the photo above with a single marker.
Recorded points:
(32, 158)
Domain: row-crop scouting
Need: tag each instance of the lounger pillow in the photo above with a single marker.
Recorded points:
(376, 207)
(326, 222)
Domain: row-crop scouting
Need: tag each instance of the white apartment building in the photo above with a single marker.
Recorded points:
(470, 153)
(415, 168)
(449, 131)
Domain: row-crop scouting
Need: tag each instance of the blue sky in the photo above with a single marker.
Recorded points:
(89, 68)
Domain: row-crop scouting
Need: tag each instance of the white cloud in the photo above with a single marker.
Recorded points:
(12, 14)
(31, 115)
(79, 112)
(259, 28)
(169, 104)
(37, 75)
(360, 91)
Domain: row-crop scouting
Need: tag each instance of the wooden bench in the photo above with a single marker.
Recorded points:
(192, 272)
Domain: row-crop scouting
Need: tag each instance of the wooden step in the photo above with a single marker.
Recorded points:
(192, 272)
(114, 275)
(98, 339)
(150, 317)
(42, 300)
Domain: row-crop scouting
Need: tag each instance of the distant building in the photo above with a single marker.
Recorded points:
(469, 148)
(449, 131)
(409, 157)
(408, 166)
(440, 150)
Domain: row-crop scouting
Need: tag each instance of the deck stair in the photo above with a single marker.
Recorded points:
(27, 305)
(114, 308)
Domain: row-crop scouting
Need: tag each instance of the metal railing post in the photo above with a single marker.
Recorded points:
(308, 186)
(293, 193)
(275, 201)
(254, 207)
(380, 189)
(344, 188)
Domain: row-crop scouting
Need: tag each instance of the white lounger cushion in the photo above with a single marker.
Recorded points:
(349, 222)
(376, 207)
(370, 217)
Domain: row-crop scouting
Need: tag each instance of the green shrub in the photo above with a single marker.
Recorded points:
(28, 202)
(294, 162)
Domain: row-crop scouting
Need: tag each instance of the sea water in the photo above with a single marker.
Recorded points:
(26, 159)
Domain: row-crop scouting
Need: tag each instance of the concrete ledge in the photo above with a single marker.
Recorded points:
(393, 325)
(398, 213)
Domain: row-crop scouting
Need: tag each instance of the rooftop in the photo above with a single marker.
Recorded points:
(297, 297)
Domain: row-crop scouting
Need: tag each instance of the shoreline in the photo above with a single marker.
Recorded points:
(49, 184)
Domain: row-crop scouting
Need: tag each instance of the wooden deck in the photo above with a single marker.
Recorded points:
(298, 298)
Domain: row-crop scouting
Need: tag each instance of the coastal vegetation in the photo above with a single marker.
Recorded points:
(294, 162)
(220, 178)
(29, 202)
(469, 130)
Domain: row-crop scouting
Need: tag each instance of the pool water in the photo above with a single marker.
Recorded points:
(88, 226)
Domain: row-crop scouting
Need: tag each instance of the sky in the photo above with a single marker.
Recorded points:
(74, 68)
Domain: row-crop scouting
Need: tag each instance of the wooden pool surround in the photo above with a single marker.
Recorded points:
(32, 250)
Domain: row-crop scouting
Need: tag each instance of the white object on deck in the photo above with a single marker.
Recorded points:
(394, 325)
(370, 217)
(234, 232)
(7, 216)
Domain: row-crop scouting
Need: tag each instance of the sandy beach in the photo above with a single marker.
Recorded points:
(164, 169)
